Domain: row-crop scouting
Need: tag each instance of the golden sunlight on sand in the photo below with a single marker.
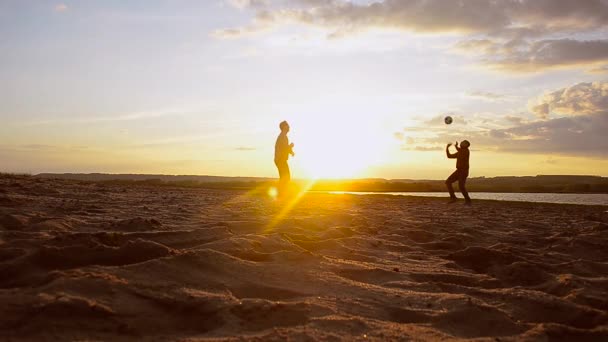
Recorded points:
(103, 261)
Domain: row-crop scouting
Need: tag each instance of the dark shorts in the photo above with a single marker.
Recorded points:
(459, 175)
(283, 167)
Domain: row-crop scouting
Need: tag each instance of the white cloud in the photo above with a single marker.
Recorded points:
(243, 4)
(487, 96)
(61, 7)
(581, 131)
(547, 54)
(508, 18)
(599, 70)
(508, 35)
(579, 99)
(96, 119)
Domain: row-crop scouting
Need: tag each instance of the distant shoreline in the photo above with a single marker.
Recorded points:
(556, 184)
(588, 199)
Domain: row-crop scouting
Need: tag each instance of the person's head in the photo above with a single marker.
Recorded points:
(284, 126)
(465, 144)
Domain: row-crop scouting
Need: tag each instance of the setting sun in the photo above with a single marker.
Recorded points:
(277, 170)
(339, 148)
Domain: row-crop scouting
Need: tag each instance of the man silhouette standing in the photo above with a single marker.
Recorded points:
(462, 170)
(282, 150)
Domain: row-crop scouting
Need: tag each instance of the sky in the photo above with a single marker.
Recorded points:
(200, 87)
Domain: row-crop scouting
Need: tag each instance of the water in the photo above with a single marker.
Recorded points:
(586, 199)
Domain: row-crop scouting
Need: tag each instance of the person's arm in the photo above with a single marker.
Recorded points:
(457, 147)
(447, 152)
(288, 146)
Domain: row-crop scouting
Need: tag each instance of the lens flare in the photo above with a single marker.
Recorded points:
(289, 204)
(273, 192)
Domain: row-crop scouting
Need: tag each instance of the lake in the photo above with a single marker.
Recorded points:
(586, 199)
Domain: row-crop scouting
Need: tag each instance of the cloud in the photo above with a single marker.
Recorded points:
(410, 144)
(60, 8)
(342, 17)
(579, 99)
(579, 135)
(551, 161)
(98, 119)
(580, 130)
(262, 22)
(44, 148)
(523, 56)
(170, 141)
(245, 148)
(422, 148)
(234, 33)
(514, 119)
(488, 96)
(498, 18)
(599, 70)
(582, 135)
(499, 134)
(556, 15)
(243, 4)
(508, 35)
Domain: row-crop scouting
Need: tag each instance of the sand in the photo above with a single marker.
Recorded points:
(86, 261)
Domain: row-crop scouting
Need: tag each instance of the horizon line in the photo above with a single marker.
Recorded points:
(295, 179)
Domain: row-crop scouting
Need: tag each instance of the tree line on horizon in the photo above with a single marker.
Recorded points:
(526, 184)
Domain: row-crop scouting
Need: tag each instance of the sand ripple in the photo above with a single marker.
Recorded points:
(107, 262)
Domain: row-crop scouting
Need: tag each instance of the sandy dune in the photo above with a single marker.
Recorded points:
(108, 262)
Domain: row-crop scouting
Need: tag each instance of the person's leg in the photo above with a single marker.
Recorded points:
(287, 173)
(287, 178)
(462, 185)
(448, 182)
(284, 177)
(281, 176)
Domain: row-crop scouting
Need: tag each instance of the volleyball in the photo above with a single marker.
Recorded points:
(448, 120)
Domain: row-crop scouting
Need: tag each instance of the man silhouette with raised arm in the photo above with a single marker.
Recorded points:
(462, 170)
(282, 150)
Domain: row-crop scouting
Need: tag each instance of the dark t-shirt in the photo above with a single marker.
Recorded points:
(281, 148)
(462, 159)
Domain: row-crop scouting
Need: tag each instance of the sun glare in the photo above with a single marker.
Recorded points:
(341, 150)
(273, 192)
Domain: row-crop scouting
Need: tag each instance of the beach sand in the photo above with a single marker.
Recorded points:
(86, 261)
